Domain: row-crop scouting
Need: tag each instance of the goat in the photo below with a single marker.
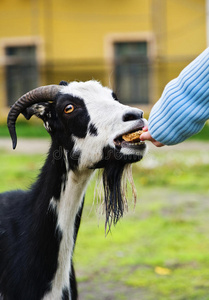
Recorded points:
(38, 227)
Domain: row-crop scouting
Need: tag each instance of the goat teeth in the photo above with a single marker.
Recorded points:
(137, 143)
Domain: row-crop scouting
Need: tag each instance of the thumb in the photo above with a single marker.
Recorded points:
(146, 136)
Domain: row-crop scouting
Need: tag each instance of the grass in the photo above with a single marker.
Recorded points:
(19, 170)
(26, 130)
(157, 251)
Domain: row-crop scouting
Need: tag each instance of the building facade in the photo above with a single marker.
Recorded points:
(133, 46)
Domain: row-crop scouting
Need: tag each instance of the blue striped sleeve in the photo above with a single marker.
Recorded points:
(183, 107)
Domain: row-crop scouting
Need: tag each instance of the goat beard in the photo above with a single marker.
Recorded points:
(115, 179)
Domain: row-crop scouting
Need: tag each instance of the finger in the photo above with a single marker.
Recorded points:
(146, 136)
(145, 128)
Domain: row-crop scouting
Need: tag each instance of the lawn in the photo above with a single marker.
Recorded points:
(159, 250)
(25, 129)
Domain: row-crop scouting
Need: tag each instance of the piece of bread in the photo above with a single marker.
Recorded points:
(132, 137)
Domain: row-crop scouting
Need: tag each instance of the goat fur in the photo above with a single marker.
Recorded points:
(39, 227)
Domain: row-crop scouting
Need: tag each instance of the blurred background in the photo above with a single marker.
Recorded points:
(159, 250)
(133, 46)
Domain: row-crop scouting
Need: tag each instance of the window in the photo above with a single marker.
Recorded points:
(131, 72)
(21, 71)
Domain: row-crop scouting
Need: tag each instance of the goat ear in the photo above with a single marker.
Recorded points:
(63, 83)
(44, 111)
(40, 110)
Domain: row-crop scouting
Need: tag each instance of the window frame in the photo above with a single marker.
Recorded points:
(6, 60)
(109, 50)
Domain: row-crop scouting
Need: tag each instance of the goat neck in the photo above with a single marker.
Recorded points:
(64, 200)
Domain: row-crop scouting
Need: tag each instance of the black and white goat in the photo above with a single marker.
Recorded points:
(38, 228)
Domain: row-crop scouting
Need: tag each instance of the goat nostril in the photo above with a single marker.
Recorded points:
(132, 116)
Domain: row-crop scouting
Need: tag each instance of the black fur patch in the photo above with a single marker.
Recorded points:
(114, 205)
(77, 122)
(111, 155)
(73, 284)
(113, 163)
(73, 159)
(55, 168)
(114, 96)
(65, 294)
(35, 259)
(63, 82)
(93, 130)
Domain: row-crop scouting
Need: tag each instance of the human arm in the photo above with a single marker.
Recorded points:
(183, 107)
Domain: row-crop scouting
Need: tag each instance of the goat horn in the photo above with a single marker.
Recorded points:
(40, 94)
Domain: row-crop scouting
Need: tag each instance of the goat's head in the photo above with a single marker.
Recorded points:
(87, 121)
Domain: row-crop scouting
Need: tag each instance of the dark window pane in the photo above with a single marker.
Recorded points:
(131, 72)
(21, 71)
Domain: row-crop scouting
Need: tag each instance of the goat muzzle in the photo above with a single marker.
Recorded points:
(40, 94)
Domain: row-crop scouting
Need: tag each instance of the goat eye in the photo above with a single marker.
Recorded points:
(69, 108)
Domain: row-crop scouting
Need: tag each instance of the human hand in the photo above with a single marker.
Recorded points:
(146, 136)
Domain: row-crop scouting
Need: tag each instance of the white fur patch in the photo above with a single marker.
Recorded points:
(67, 208)
(107, 116)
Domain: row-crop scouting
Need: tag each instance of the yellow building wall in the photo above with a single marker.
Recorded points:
(73, 29)
(71, 33)
(186, 27)
(180, 30)
(83, 27)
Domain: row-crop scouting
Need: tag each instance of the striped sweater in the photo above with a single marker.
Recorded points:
(184, 105)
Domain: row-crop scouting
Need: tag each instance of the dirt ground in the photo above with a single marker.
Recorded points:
(42, 145)
(33, 146)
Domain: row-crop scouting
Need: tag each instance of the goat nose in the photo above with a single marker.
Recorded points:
(133, 115)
